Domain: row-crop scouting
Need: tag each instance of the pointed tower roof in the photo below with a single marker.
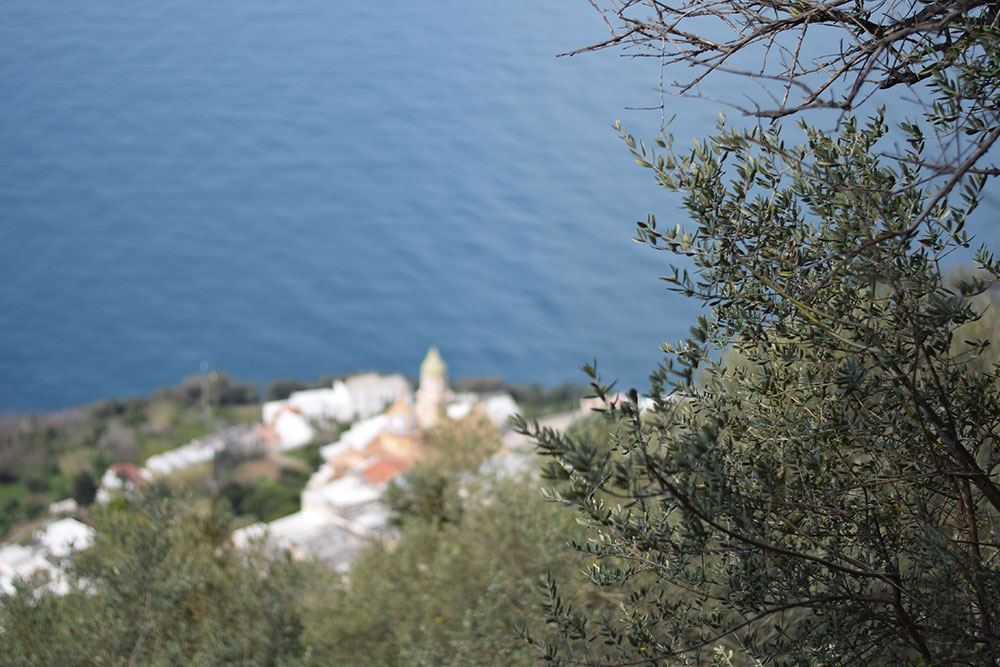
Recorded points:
(433, 365)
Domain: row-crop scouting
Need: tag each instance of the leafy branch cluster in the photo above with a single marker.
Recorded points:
(848, 463)
(819, 479)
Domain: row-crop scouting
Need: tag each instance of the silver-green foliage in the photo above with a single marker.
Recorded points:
(834, 497)
(448, 592)
(160, 586)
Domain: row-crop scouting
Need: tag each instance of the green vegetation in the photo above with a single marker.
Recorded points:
(45, 458)
(450, 593)
(432, 490)
(833, 495)
(160, 586)
(48, 457)
(264, 499)
(986, 327)
(163, 586)
(818, 481)
(309, 454)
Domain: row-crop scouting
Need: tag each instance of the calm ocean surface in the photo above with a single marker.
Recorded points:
(292, 189)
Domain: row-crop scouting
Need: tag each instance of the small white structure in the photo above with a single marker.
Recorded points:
(499, 408)
(372, 393)
(462, 406)
(196, 451)
(121, 478)
(61, 538)
(292, 430)
(19, 562)
(341, 509)
(357, 397)
(335, 522)
(354, 439)
(315, 404)
(65, 506)
(348, 491)
(47, 553)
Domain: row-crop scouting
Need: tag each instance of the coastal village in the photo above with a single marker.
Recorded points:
(341, 505)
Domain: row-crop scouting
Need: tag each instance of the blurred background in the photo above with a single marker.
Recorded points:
(294, 189)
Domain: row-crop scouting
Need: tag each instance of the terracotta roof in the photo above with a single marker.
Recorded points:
(383, 470)
(128, 471)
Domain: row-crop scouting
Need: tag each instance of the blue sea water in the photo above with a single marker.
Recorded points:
(285, 188)
(281, 188)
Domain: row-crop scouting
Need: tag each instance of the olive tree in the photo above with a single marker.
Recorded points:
(161, 585)
(835, 496)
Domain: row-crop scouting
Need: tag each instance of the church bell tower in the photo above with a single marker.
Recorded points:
(433, 390)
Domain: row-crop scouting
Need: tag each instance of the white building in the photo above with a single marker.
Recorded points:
(372, 393)
(121, 478)
(498, 408)
(64, 506)
(335, 521)
(353, 440)
(20, 562)
(61, 538)
(357, 397)
(341, 504)
(46, 554)
(291, 430)
(196, 451)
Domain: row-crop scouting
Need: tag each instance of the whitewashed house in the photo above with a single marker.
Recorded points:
(294, 420)
(341, 504)
(46, 554)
